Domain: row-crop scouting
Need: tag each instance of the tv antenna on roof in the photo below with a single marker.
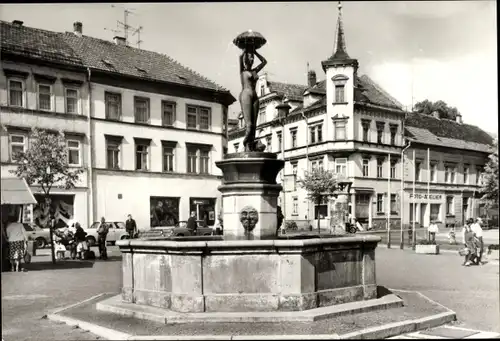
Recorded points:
(126, 26)
(138, 32)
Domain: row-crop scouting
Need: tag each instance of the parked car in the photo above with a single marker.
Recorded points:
(116, 232)
(39, 235)
(180, 230)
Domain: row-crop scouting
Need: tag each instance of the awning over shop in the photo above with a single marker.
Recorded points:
(15, 191)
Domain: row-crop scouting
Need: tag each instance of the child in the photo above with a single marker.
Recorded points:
(60, 250)
(452, 236)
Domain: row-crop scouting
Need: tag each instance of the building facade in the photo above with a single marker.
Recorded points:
(154, 131)
(348, 124)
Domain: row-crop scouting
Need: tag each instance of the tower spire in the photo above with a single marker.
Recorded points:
(339, 50)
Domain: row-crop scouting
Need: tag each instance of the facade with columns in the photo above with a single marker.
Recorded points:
(348, 124)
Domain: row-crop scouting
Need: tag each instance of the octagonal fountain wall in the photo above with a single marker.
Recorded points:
(249, 269)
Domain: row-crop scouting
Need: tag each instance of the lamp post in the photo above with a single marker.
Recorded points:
(283, 111)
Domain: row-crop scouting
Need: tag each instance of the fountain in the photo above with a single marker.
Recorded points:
(250, 270)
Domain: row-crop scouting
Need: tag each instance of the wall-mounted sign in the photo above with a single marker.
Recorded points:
(422, 196)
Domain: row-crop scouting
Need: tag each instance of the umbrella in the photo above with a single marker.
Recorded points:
(250, 40)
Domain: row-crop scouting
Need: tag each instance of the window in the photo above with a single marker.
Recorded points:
(417, 171)
(268, 144)
(433, 172)
(321, 210)
(45, 97)
(393, 169)
(380, 203)
(365, 163)
(73, 152)
(295, 206)
(316, 133)
(380, 132)
(280, 141)
(168, 158)
(236, 146)
(340, 131)
(365, 124)
(446, 174)
(192, 160)
(113, 106)
(466, 174)
(198, 117)
(113, 154)
(317, 164)
(339, 94)
(204, 161)
(168, 113)
(16, 92)
(17, 145)
(449, 174)
(293, 137)
(394, 130)
(380, 168)
(224, 121)
(141, 156)
(141, 109)
(72, 99)
(453, 171)
(449, 205)
(341, 166)
(394, 204)
(478, 175)
(294, 168)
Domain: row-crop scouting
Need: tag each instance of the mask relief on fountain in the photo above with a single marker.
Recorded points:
(249, 218)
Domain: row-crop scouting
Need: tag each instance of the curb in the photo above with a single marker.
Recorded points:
(106, 333)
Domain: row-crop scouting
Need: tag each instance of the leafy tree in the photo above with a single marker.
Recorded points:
(320, 184)
(489, 180)
(427, 107)
(45, 163)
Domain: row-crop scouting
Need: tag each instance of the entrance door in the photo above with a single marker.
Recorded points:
(423, 211)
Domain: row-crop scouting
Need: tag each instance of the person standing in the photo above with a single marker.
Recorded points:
(17, 240)
(279, 217)
(131, 227)
(80, 239)
(478, 233)
(102, 233)
(432, 230)
(468, 241)
(191, 223)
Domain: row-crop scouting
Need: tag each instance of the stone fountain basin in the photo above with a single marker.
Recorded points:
(248, 275)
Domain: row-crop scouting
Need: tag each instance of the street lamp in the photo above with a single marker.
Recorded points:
(283, 111)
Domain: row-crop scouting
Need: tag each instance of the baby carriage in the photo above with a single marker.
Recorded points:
(67, 239)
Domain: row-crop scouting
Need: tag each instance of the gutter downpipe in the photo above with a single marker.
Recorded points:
(307, 162)
(91, 209)
(401, 246)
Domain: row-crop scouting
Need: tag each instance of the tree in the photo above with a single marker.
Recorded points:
(489, 180)
(427, 107)
(45, 163)
(320, 184)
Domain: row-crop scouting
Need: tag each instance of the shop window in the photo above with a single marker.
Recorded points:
(164, 211)
(204, 209)
(449, 205)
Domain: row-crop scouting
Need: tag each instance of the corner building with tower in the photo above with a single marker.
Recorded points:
(348, 124)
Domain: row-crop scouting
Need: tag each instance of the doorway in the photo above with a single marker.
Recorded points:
(204, 209)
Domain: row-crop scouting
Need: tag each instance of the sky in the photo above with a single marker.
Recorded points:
(436, 50)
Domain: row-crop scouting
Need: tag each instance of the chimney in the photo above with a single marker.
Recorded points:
(18, 23)
(119, 40)
(77, 28)
(435, 114)
(311, 78)
(459, 119)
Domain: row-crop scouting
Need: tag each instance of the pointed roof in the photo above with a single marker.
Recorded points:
(340, 55)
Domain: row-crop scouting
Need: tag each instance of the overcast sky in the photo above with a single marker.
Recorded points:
(448, 48)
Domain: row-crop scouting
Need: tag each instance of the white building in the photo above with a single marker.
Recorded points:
(156, 129)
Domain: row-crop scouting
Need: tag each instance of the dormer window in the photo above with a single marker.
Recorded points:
(262, 90)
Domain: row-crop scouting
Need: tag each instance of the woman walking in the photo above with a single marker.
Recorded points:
(17, 243)
(469, 242)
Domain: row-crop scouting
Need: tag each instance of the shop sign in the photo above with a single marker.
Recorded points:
(200, 202)
(422, 196)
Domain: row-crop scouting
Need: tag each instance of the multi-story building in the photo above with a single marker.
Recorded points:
(348, 124)
(43, 84)
(155, 130)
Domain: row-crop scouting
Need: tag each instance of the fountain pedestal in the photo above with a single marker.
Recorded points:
(250, 195)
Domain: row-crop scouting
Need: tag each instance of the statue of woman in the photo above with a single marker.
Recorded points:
(249, 100)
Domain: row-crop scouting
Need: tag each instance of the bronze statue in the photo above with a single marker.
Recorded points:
(249, 217)
(249, 42)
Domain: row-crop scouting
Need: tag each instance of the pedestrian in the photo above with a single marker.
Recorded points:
(80, 239)
(18, 241)
(432, 230)
(191, 223)
(468, 241)
(279, 217)
(102, 233)
(478, 233)
(131, 227)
